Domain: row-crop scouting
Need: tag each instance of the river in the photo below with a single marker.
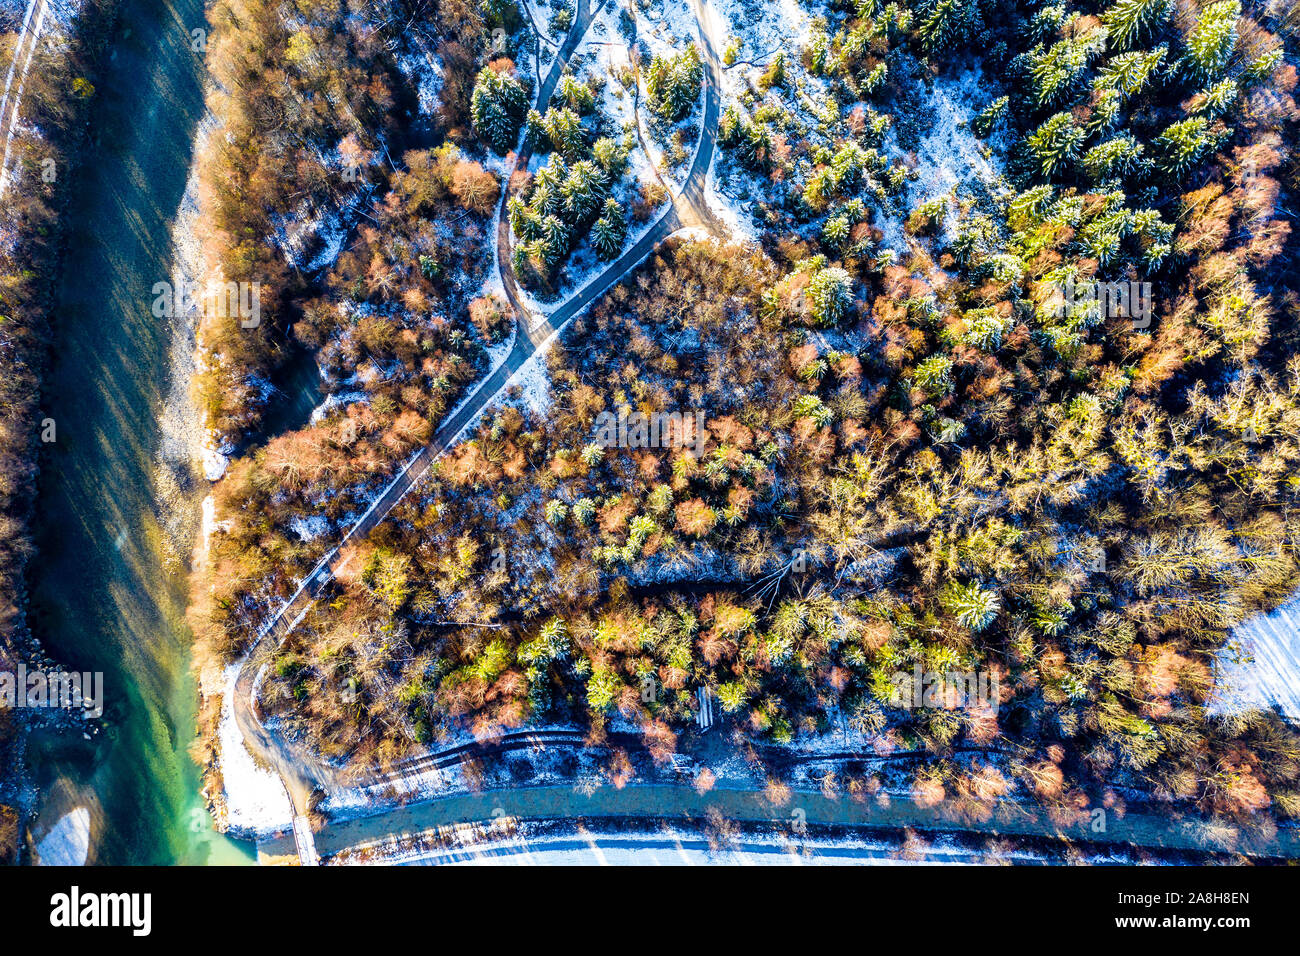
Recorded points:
(113, 528)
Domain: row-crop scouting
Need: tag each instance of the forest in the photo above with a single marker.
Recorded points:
(924, 446)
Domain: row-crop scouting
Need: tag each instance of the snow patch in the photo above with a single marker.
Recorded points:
(332, 236)
(425, 71)
(214, 463)
(322, 411)
(950, 159)
(534, 381)
(733, 211)
(309, 529)
(1260, 666)
(256, 801)
(68, 842)
(209, 524)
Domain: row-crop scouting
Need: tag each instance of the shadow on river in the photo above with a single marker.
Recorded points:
(107, 597)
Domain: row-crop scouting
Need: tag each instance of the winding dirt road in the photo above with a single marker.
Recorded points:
(301, 772)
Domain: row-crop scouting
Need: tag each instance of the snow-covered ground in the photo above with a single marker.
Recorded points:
(256, 801)
(309, 528)
(68, 842)
(540, 12)
(944, 157)
(752, 33)
(425, 72)
(318, 229)
(604, 53)
(665, 29)
(1260, 667)
(534, 383)
(950, 160)
(730, 208)
(666, 26)
(209, 525)
(763, 27)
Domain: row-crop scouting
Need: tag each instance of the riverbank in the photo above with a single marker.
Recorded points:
(189, 448)
(55, 53)
(120, 492)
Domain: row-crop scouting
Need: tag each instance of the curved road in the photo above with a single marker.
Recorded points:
(300, 772)
(679, 849)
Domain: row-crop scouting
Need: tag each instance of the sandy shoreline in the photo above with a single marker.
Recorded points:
(184, 441)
